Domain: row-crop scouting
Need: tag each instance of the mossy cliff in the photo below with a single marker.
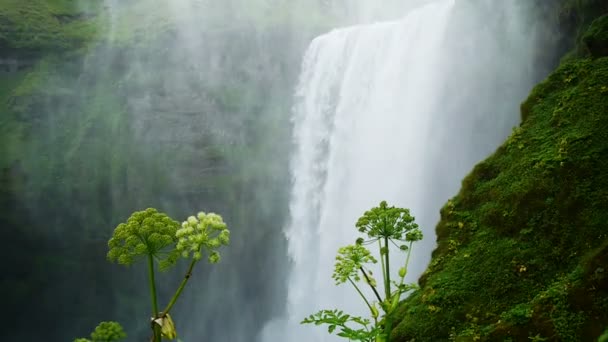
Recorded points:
(84, 142)
(28, 28)
(523, 248)
(103, 112)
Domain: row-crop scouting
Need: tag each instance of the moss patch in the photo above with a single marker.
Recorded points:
(30, 27)
(596, 38)
(521, 248)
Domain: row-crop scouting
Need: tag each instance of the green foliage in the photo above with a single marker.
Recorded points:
(153, 235)
(385, 225)
(337, 319)
(583, 11)
(53, 25)
(596, 37)
(521, 247)
(519, 314)
(145, 233)
(106, 332)
(72, 134)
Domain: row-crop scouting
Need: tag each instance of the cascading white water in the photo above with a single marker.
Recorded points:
(363, 110)
(372, 121)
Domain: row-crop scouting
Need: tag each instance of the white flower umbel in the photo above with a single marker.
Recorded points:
(205, 232)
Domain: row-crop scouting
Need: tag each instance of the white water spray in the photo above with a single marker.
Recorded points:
(372, 122)
(364, 108)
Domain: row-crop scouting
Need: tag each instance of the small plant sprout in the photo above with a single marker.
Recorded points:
(156, 237)
(386, 226)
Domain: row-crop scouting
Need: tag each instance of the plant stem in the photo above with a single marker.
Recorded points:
(382, 261)
(407, 261)
(387, 288)
(361, 294)
(179, 289)
(152, 282)
(370, 284)
(387, 275)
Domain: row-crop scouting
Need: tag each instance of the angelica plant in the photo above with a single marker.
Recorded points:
(385, 227)
(158, 239)
(106, 332)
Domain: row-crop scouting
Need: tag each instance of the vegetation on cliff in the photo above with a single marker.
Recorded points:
(522, 248)
(28, 28)
(85, 103)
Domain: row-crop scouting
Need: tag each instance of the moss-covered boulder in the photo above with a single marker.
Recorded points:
(523, 248)
(596, 37)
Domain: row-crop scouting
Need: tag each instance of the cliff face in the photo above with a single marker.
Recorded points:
(523, 247)
(84, 141)
(104, 111)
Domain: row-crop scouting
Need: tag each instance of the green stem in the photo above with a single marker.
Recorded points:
(387, 288)
(179, 289)
(387, 275)
(152, 282)
(407, 262)
(369, 282)
(382, 261)
(362, 296)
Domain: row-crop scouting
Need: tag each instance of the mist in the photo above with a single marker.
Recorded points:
(190, 105)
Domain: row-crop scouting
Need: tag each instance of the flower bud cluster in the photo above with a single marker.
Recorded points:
(205, 231)
(108, 332)
(348, 262)
(146, 232)
(389, 222)
(414, 235)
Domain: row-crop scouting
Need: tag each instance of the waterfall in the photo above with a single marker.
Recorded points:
(396, 111)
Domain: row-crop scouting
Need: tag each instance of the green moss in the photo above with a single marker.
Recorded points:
(29, 27)
(596, 37)
(520, 247)
(575, 16)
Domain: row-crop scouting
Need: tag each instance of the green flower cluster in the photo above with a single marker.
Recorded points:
(146, 232)
(389, 222)
(106, 332)
(206, 231)
(348, 262)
